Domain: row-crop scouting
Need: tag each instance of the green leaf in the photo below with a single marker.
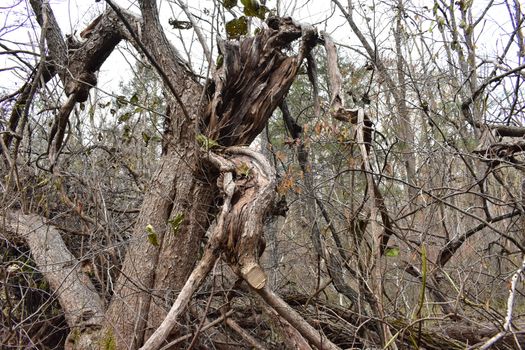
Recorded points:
(127, 134)
(250, 11)
(435, 8)
(441, 22)
(124, 117)
(220, 61)
(134, 99)
(237, 27)
(176, 24)
(206, 142)
(153, 238)
(243, 170)
(146, 138)
(229, 4)
(176, 222)
(253, 9)
(392, 252)
(91, 113)
(249, 3)
(121, 101)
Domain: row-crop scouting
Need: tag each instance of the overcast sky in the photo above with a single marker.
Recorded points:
(74, 15)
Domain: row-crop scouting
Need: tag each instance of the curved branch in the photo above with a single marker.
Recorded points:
(237, 229)
(76, 65)
(453, 245)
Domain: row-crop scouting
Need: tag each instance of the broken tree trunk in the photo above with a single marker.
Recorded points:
(247, 183)
(255, 76)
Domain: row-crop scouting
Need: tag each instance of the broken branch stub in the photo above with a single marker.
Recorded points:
(237, 231)
(78, 66)
(88, 57)
(253, 79)
(253, 200)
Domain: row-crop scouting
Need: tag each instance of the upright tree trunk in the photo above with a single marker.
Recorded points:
(176, 190)
(253, 80)
(152, 274)
(404, 125)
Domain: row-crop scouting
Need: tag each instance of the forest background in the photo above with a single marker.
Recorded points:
(380, 202)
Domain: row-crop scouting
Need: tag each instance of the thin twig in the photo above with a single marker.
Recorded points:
(154, 63)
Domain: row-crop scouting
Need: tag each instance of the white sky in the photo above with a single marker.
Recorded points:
(74, 15)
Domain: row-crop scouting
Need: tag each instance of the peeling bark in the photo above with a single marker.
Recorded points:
(240, 220)
(253, 80)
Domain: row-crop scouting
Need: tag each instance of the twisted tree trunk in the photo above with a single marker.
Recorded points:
(253, 80)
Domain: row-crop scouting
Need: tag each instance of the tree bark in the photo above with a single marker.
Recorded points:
(83, 308)
(256, 76)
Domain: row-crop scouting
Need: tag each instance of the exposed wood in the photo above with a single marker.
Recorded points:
(334, 78)
(239, 227)
(253, 80)
(223, 195)
(175, 251)
(245, 225)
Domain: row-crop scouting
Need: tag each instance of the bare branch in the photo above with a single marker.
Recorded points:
(290, 315)
(453, 245)
(200, 36)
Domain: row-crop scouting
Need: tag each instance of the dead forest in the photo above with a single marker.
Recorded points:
(286, 174)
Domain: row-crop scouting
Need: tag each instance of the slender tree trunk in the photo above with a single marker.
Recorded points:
(403, 115)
